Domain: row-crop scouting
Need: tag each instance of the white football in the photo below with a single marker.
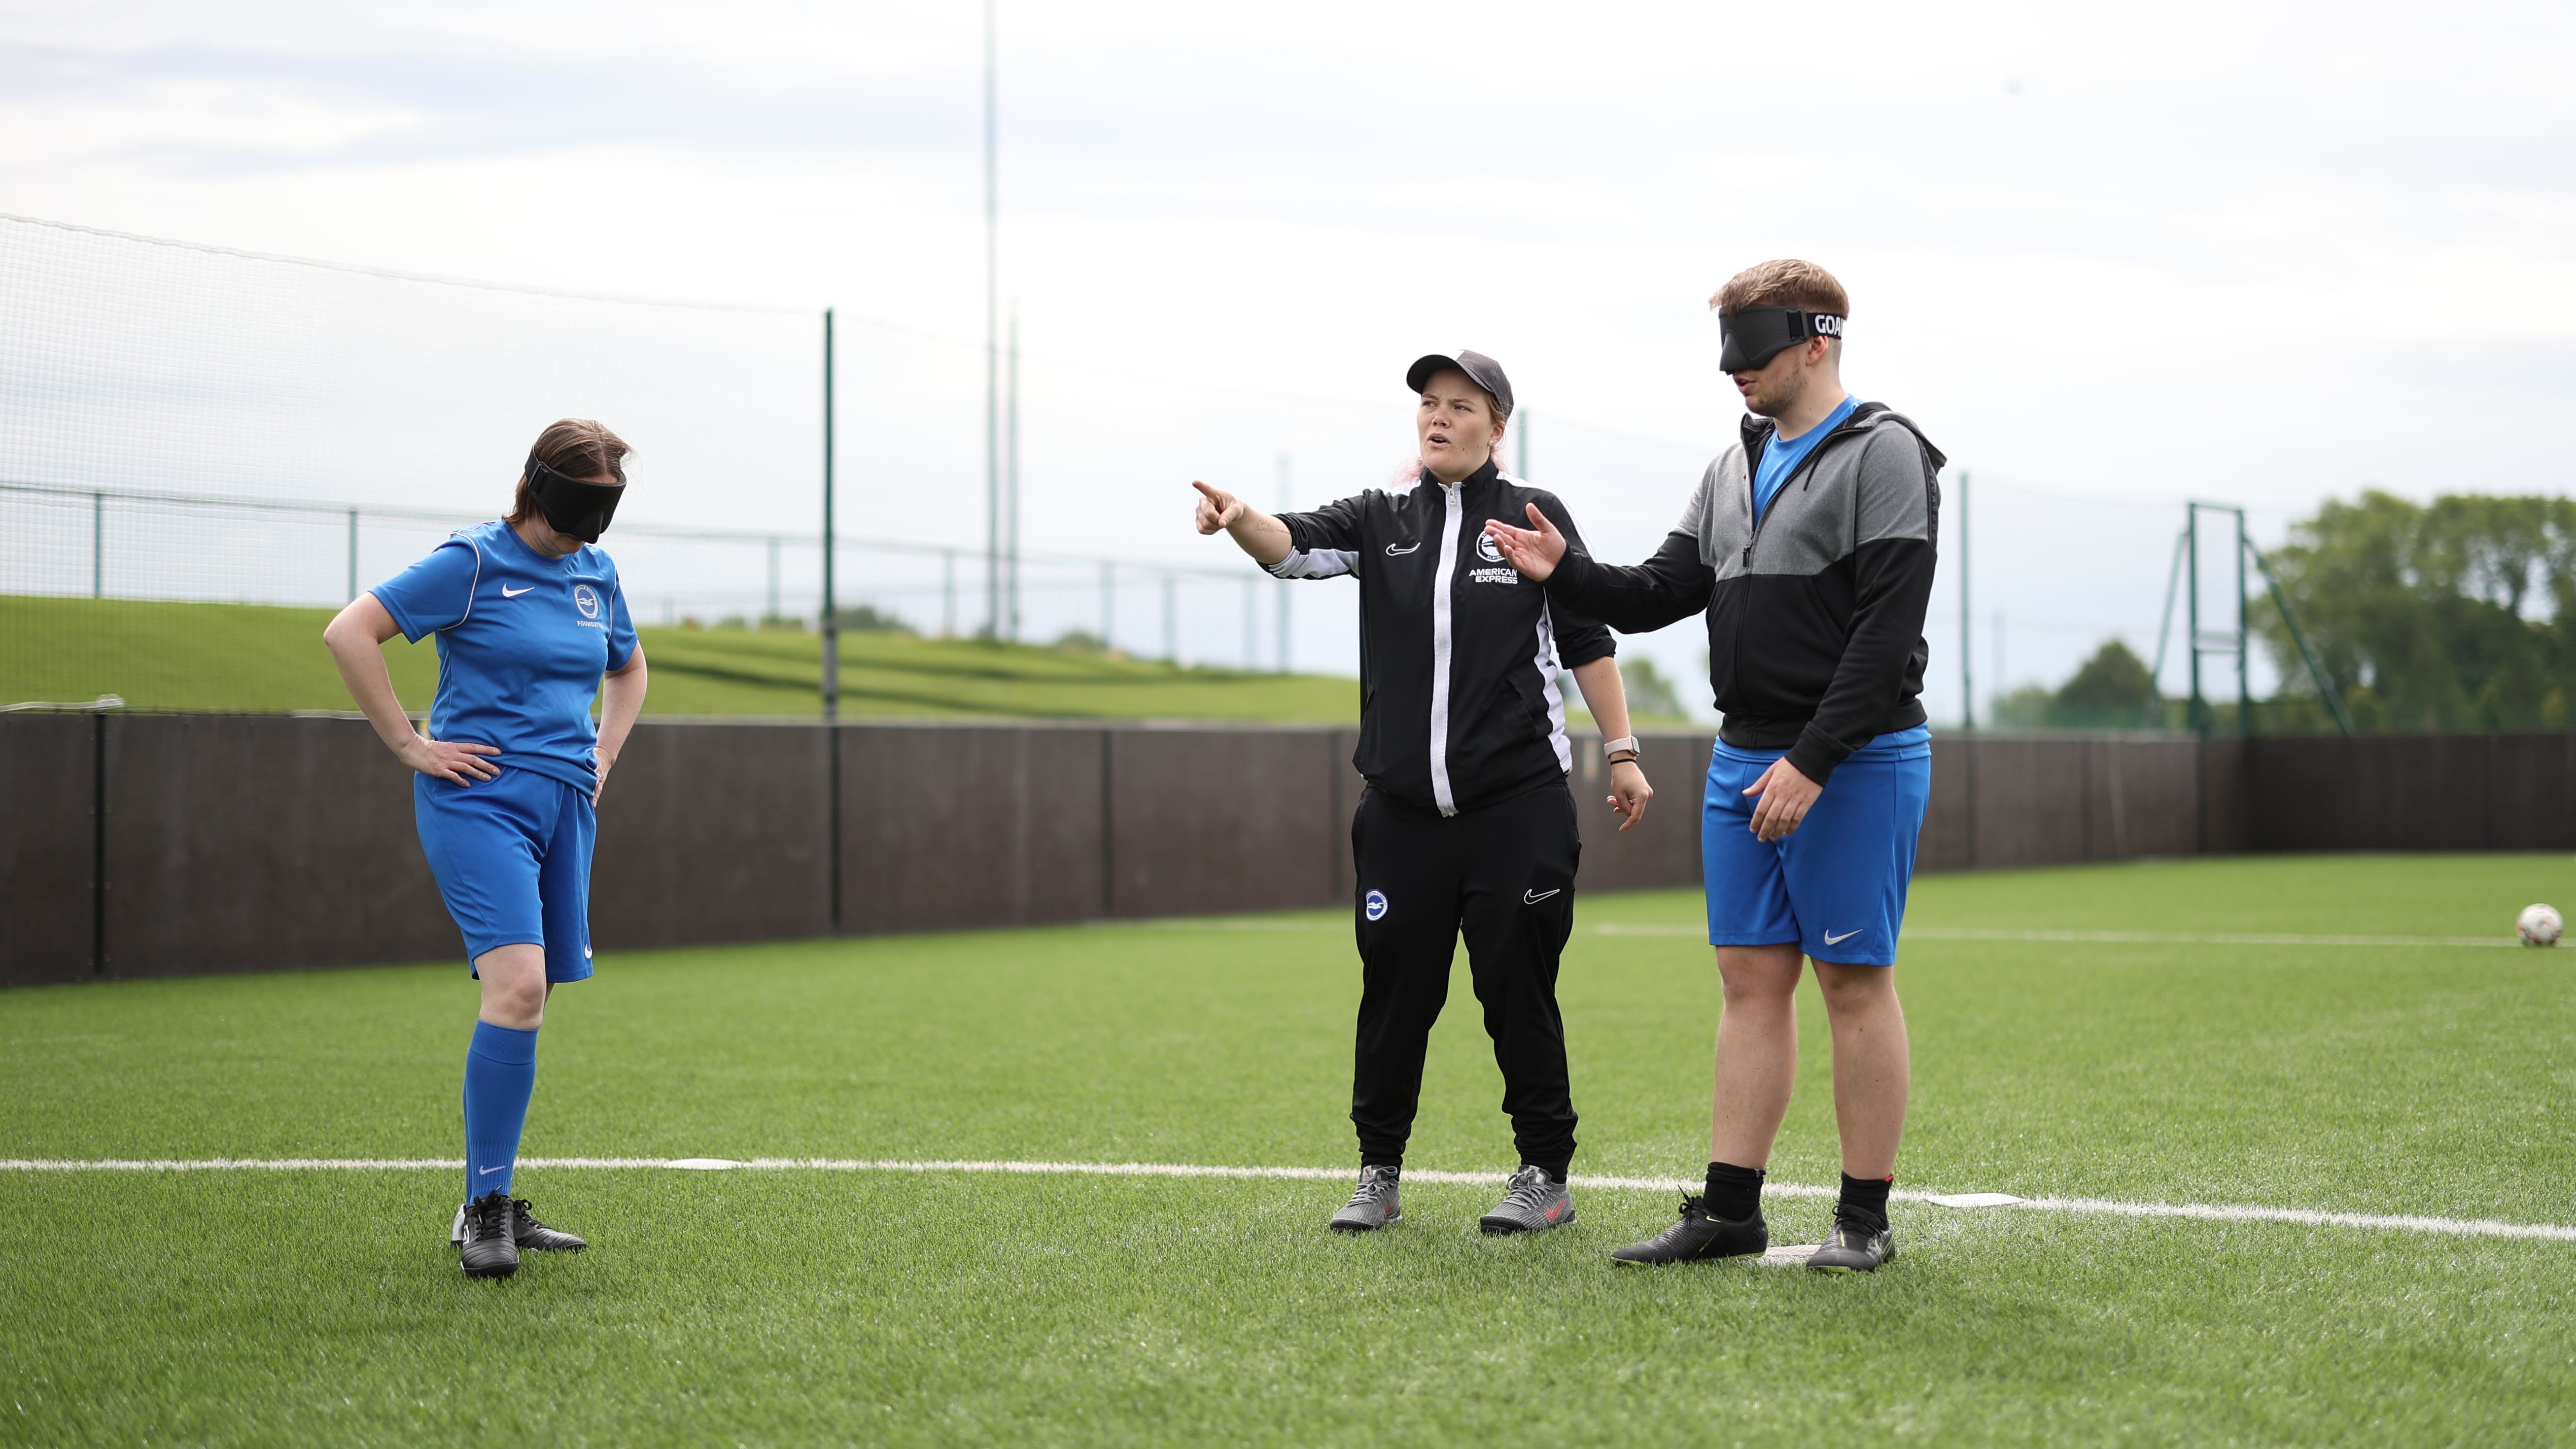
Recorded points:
(2538, 925)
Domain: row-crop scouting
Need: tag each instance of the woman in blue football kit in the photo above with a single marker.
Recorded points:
(531, 627)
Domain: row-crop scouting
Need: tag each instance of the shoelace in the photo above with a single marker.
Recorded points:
(1855, 1229)
(1370, 1190)
(1528, 1192)
(489, 1219)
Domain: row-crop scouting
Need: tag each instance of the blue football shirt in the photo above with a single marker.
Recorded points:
(1783, 457)
(522, 642)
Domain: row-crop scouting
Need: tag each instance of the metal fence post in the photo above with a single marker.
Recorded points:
(2244, 640)
(98, 545)
(353, 555)
(831, 600)
(1171, 620)
(1967, 681)
(1286, 584)
(2191, 616)
(1108, 605)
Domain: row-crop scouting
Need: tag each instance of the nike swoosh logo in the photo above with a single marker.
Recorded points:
(510, 593)
(1833, 940)
(1531, 898)
(1400, 550)
(487, 1172)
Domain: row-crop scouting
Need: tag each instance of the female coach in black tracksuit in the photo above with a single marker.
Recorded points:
(1466, 821)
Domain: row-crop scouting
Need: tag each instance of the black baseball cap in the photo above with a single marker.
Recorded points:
(1481, 370)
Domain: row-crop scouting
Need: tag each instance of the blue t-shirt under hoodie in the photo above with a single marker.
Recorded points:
(522, 642)
(1783, 456)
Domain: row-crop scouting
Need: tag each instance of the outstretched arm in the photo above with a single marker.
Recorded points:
(1253, 531)
(1668, 587)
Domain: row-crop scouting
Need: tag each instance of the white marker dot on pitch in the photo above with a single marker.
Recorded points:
(702, 1164)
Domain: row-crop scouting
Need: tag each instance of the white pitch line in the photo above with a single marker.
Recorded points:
(2198, 938)
(1919, 933)
(2202, 1212)
(2121, 938)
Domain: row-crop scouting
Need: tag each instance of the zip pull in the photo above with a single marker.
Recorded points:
(1748, 555)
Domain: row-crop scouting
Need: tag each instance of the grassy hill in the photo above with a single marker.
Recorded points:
(249, 658)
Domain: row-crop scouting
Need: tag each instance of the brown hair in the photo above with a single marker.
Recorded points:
(1784, 283)
(575, 447)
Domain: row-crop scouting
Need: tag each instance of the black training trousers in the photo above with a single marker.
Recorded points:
(1504, 872)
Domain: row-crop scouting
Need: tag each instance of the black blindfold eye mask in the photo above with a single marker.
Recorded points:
(572, 506)
(1755, 335)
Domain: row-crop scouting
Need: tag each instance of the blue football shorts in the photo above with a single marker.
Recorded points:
(512, 857)
(1835, 888)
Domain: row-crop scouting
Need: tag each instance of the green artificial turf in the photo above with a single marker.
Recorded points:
(260, 659)
(811, 1306)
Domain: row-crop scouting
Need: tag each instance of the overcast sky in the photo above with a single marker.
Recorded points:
(2108, 258)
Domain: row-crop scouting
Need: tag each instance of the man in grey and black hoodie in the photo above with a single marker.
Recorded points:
(1810, 547)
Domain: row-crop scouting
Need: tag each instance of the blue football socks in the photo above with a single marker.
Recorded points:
(500, 1073)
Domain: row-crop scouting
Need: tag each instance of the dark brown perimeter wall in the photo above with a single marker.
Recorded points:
(160, 845)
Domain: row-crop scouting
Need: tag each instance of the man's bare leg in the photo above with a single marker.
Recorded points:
(1757, 1064)
(1757, 1052)
(1872, 1064)
(1870, 1069)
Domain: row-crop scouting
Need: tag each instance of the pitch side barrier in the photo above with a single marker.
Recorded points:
(161, 845)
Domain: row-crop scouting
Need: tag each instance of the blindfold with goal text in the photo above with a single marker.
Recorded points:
(1755, 335)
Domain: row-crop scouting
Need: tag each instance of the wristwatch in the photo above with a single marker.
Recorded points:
(1611, 750)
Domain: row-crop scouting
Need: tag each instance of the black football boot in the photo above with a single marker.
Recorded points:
(525, 1230)
(489, 1248)
(1699, 1236)
(534, 1236)
(1858, 1244)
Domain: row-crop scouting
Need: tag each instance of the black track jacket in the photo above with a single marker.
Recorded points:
(1458, 653)
(1815, 616)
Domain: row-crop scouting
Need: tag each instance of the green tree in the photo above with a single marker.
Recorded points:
(2025, 708)
(1650, 694)
(2454, 615)
(2112, 690)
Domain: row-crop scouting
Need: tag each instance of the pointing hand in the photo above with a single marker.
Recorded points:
(1217, 508)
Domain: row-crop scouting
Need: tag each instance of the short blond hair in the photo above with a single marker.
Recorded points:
(1787, 282)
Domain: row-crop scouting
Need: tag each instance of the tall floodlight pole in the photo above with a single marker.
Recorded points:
(1967, 683)
(831, 603)
(1011, 475)
(992, 349)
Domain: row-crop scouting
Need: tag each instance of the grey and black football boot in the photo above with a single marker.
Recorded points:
(1373, 1204)
(489, 1250)
(525, 1230)
(1858, 1244)
(1533, 1202)
(1699, 1236)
